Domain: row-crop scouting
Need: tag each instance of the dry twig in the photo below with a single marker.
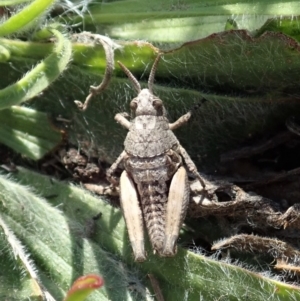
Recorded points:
(158, 294)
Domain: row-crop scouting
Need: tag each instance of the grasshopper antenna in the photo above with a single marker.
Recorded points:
(134, 81)
(152, 74)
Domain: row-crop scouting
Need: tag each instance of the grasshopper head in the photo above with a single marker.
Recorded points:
(146, 103)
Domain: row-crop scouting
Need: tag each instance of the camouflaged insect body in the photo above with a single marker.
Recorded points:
(152, 165)
(154, 186)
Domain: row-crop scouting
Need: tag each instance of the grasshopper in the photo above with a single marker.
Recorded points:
(154, 186)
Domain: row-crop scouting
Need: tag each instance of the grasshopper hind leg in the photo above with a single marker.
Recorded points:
(133, 216)
(178, 199)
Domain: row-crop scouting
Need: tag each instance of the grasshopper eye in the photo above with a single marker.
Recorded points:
(157, 103)
(133, 104)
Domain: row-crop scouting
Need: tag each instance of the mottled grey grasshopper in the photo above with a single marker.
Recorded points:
(154, 186)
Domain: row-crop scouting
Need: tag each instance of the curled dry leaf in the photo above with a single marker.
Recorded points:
(83, 286)
(257, 244)
(109, 46)
(286, 255)
(252, 208)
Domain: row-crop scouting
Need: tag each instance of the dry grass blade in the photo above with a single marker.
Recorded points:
(156, 288)
(285, 266)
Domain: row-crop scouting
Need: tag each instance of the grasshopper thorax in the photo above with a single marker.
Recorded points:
(147, 104)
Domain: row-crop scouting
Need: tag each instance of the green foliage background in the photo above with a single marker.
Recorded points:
(241, 56)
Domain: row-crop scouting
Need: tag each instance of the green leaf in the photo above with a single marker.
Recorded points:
(62, 246)
(188, 275)
(178, 21)
(245, 97)
(28, 132)
(4, 54)
(17, 256)
(16, 283)
(12, 2)
(250, 84)
(192, 7)
(25, 17)
(286, 25)
(41, 76)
